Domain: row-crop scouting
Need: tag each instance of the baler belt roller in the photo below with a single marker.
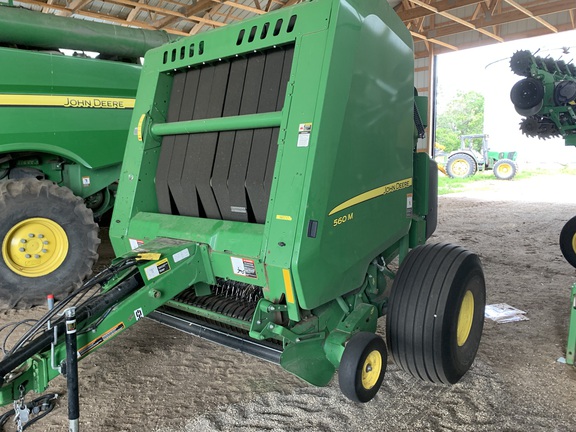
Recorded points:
(220, 140)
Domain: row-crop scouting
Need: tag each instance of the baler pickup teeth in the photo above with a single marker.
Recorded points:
(223, 317)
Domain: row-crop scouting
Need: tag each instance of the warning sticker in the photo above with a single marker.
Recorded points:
(101, 339)
(243, 267)
(179, 256)
(157, 269)
(304, 131)
(135, 244)
(85, 181)
(408, 205)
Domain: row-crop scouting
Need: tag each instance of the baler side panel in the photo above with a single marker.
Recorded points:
(367, 105)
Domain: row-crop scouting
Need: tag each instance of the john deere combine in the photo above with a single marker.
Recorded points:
(64, 128)
(271, 180)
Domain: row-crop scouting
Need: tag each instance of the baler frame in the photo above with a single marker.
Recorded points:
(332, 190)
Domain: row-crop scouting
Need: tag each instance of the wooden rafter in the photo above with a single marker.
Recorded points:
(254, 10)
(506, 17)
(434, 41)
(440, 6)
(531, 15)
(457, 20)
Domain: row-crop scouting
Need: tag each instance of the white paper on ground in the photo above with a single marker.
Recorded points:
(504, 313)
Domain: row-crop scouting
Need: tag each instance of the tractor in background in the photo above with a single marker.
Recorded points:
(467, 161)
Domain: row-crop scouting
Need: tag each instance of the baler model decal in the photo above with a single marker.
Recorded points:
(374, 193)
(66, 101)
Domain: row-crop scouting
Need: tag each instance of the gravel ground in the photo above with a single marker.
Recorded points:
(153, 378)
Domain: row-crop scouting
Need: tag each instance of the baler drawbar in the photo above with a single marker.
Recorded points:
(271, 183)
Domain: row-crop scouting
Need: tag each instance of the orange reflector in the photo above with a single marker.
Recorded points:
(288, 286)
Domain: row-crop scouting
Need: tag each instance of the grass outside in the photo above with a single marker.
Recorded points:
(484, 179)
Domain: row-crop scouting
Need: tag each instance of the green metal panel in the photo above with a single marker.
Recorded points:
(365, 109)
(40, 101)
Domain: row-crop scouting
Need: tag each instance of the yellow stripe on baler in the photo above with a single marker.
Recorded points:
(288, 286)
(374, 193)
(68, 101)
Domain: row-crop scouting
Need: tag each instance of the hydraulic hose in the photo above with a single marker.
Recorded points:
(94, 307)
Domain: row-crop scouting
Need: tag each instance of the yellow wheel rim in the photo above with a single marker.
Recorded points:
(371, 369)
(504, 169)
(465, 318)
(35, 247)
(460, 168)
(574, 242)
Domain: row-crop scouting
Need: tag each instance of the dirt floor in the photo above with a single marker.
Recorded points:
(153, 378)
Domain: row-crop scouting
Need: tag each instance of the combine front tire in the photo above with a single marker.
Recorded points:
(505, 169)
(461, 166)
(436, 312)
(568, 241)
(362, 366)
(49, 241)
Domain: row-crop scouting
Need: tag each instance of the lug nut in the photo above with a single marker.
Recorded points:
(21, 249)
(36, 256)
(30, 235)
(27, 256)
(40, 235)
(45, 242)
(23, 241)
(44, 250)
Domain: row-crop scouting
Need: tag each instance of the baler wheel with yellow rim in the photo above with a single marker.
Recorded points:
(48, 241)
(436, 312)
(362, 366)
(568, 241)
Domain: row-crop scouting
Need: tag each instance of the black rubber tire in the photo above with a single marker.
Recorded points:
(28, 198)
(505, 169)
(568, 241)
(357, 350)
(454, 170)
(424, 308)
